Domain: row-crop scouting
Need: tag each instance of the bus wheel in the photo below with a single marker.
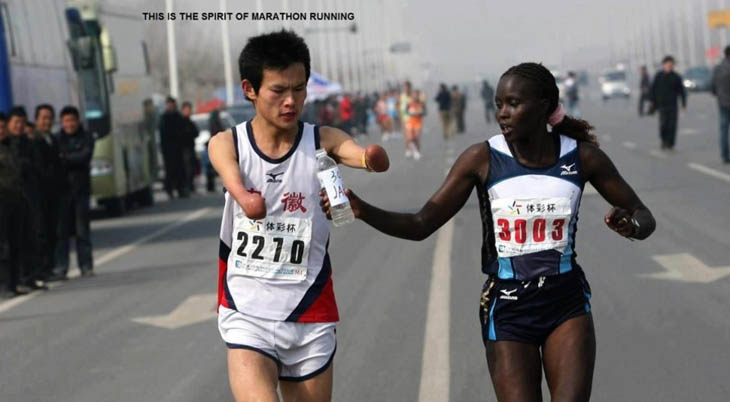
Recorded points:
(146, 197)
(116, 206)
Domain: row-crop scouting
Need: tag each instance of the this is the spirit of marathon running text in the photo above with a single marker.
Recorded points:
(249, 16)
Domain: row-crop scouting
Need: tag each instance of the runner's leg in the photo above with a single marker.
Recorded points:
(516, 371)
(253, 376)
(569, 355)
(315, 389)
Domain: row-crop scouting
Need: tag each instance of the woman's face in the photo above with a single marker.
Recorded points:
(519, 112)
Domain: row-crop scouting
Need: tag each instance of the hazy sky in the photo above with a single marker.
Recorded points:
(461, 39)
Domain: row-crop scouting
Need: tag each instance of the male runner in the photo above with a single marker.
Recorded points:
(277, 310)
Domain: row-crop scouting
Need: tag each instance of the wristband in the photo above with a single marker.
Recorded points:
(365, 162)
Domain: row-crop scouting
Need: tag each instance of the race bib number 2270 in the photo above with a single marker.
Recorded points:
(273, 248)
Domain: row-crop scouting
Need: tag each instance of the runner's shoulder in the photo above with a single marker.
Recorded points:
(591, 156)
(475, 159)
(222, 139)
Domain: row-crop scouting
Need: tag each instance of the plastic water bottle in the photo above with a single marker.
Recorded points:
(329, 178)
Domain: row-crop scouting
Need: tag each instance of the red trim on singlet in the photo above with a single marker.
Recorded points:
(324, 308)
(222, 271)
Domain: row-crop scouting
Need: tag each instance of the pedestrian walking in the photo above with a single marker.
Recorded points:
(666, 90)
(721, 89)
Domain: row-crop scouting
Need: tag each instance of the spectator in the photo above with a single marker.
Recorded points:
(488, 98)
(215, 125)
(571, 95)
(11, 206)
(458, 105)
(346, 114)
(644, 86)
(171, 126)
(189, 134)
(721, 89)
(76, 147)
(49, 185)
(26, 152)
(665, 90)
(443, 98)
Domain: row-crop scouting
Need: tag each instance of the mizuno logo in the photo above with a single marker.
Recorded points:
(568, 170)
(507, 294)
(274, 177)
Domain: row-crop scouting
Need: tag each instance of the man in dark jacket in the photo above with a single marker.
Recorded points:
(76, 147)
(721, 89)
(27, 154)
(644, 86)
(11, 205)
(49, 184)
(189, 134)
(443, 98)
(666, 90)
(172, 126)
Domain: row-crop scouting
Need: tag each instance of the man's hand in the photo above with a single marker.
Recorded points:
(619, 220)
(355, 203)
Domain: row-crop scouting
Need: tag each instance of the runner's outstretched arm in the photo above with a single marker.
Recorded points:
(222, 154)
(629, 217)
(348, 152)
(469, 170)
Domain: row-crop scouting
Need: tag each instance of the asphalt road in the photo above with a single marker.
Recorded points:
(143, 328)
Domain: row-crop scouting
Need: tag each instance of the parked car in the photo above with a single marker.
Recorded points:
(613, 85)
(201, 120)
(698, 79)
(242, 112)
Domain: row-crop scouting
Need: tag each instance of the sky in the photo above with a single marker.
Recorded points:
(467, 39)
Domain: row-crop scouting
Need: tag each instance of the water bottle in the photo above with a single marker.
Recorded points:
(329, 178)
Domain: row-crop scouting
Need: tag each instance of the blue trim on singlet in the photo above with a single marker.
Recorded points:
(316, 289)
(263, 156)
(235, 143)
(316, 137)
(492, 332)
(566, 260)
(506, 271)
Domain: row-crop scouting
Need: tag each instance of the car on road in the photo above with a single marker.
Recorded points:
(201, 121)
(698, 79)
(242, 112)
(614, 85)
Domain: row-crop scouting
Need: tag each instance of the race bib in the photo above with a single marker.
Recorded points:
(530, 225)
(272, 248)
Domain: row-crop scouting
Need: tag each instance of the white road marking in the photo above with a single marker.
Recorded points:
(194, 309)
(629, 144)
(657, 154)
(435, 366)
(116, 253)
(688, 131)
(709, 171)
(685, 267)
(589, 190)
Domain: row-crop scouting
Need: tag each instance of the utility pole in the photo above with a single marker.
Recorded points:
(171, 54)
(225, 42)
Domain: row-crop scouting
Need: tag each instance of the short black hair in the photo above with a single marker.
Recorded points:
(185, 104)
(727, 51)
(667, 58)
(170, 99)
(70, 110)
(275, 50)
(45, 106)
(29, 123)
(18, 111)
(3, 117)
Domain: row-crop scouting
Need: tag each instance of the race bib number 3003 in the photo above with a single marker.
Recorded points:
(273, 248)
(530, 225)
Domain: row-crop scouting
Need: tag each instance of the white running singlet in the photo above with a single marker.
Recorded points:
(277, 268)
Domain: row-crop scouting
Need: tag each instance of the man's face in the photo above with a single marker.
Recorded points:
(668, 66)
(170, 106)
(44, 121)
(69, 123)
(16, 125)
(281, 97)
(186, 111)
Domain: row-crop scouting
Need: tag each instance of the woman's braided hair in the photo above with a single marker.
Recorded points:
(544, 82)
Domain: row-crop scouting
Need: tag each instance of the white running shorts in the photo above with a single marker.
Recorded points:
(300, 350)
